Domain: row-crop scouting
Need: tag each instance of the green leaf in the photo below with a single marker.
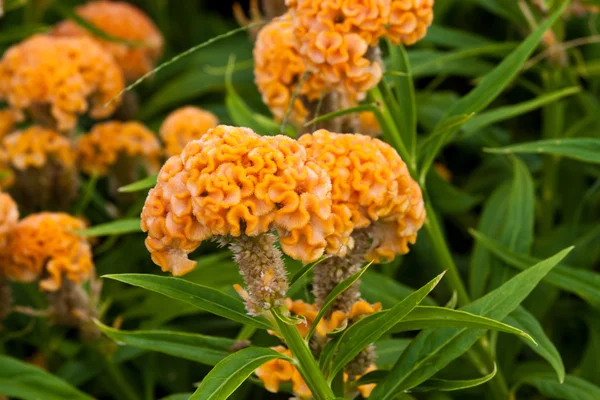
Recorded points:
(431, 146)
(231, 372)
(497, 80)
(140, 185)
(24, 381)
(522, 319)
(330, 299)
(449, 37)
(447, 198)
(583, 283)
(388, 351)
(306, 268)
(15, 34)
(444, 385)
(202, 297)
(581, 149)
(405, 96)
(203, 349)
(423, 317)
(369, 329)
(490, 117)
(433, 349)
(339, 113)
(119, 227)
(573, 388)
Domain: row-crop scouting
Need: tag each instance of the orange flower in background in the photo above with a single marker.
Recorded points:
(233, 182)
(367, 124)
(362, 308)
(279, 69)
(409, 20)
(45, 243)
(184, 125)
(9, 215)
(62, 77)
(121, 20)
(35, 147)
(8, 120)
(274, 372)
(371, 187)
(110, 142)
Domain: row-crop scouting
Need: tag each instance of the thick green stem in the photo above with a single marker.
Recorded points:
(306, 363)
(442, 255)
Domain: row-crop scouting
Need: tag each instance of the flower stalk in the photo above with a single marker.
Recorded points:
(307, 365)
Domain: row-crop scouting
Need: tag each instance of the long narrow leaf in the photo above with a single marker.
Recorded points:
(581, 149)
(444, 385)
(119, 227)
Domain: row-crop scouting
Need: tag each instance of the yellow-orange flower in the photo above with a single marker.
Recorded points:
(367, 124)
(45, 244)
(124, 21)
(274, 372)
(35, 146)
(184, 125)
(66, 76)
(109, 142)
(9, 215)
(8, 119)
(232, 182)
(338, 41)
(409, 20)
(279, 69)
(365, 390)
(362, 308)
(371, 185)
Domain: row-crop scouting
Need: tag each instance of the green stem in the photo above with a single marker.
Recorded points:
(548, 193)
(306, 363)
(442, 255)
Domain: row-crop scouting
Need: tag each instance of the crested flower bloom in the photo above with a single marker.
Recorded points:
(8, 120)
(58, 79)
(338, 42)
(122, 20)
(409, 20)
(184, 125)
(371, 187)
(279, 69)
(42, 162)
(235, 185)
(118, 149)
(44, 246)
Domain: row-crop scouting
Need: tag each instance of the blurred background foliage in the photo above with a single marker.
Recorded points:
(556, 200)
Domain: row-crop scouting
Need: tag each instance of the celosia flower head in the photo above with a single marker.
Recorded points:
(70, 76)
(184, 125)
(371, 187)
(279, 69)
(233, 182)
(409, 20)
(35, 147)
(109, 142)
(8, 119)
(336, 40)
(124, 21)
(44, 245)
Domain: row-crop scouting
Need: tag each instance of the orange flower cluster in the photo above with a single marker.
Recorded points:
(274, 372)
(124, 21)
(232, 182)
(337, 39)
(60, 75)
(44, 246)
(35, 147)
(8, 119)
(409, 20)
(279, 69)
(109, 142)
(371, 187)
(184, 125)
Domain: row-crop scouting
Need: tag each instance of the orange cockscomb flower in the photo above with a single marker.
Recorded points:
(279, 69)
(124, 21)
(42, 164)
(274, 372)
(8, 120)
(409, 20)
(184, 125)
(111, 144)
(338, 41)
(60, 79)
(234, 182)
(371, 186)
(44, 245)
